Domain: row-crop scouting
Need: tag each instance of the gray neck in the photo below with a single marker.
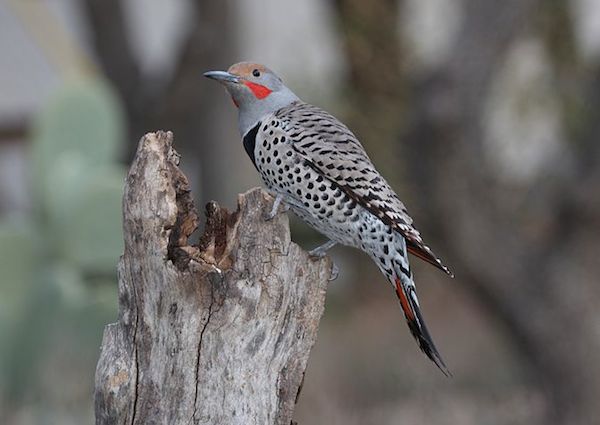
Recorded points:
(251, 113)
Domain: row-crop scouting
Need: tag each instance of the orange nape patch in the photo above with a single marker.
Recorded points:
(259, 91)
(404, 301)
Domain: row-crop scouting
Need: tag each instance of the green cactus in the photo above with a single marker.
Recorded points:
(58, 264)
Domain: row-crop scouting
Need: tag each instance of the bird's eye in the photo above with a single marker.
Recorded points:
(256, 73)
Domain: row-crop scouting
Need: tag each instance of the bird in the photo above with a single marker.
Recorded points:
(314, 165)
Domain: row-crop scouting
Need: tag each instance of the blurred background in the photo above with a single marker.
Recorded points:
(484, 115)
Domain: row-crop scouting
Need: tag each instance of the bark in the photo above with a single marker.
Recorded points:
(214, 333)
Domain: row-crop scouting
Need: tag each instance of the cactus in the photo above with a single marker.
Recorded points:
(58, 263)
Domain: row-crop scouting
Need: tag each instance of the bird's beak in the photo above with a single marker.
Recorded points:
(222, 76)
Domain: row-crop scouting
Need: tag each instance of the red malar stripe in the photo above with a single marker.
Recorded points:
(259, 91)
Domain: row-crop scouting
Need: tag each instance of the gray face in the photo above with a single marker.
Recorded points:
(255, 90)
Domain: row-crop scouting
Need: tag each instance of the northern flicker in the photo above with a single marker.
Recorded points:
(316, 166)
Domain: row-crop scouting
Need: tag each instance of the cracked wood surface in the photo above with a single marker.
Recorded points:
(217, 333)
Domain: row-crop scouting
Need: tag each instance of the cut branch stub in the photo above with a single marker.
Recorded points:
(215, 333)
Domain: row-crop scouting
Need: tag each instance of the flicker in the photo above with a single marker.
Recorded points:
(315, 166)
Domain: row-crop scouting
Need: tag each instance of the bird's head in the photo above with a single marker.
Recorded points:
(256, 91)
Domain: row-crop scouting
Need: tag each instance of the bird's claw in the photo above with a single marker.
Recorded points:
(335, 271)
(317, 253)
(275, 209)
(269, 216)
(321, 251)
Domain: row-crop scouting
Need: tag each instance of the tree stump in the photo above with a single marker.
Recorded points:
(218, 333)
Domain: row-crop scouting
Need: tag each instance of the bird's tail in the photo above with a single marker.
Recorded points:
(410, 305)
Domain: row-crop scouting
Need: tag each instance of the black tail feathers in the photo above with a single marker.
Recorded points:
(417, 326)
(421, 334)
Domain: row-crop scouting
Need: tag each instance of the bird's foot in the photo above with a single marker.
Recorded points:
(334, 273)
(275, 209)
(321, 250)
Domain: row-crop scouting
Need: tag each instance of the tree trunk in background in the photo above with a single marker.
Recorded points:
(109, 36)
(522, 263)
(533, 267)
(215, 333)
(375, 92)
(199, 113)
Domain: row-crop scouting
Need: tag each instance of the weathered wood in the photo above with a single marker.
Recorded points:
(218, 333)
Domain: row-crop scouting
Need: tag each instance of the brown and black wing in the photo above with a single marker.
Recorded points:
(329, 147)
